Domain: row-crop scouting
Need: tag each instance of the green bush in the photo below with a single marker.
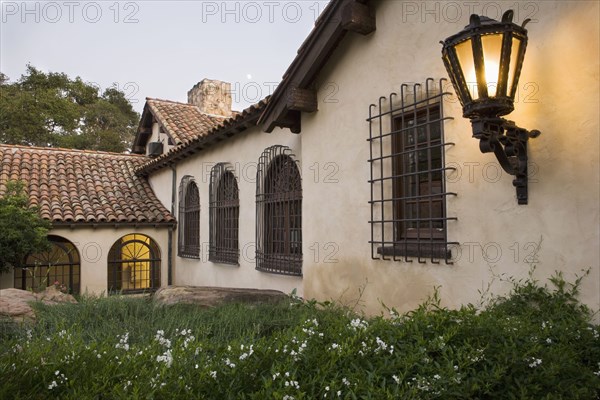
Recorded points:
(536, 343)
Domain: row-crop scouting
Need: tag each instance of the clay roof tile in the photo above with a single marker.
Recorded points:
(82, 186)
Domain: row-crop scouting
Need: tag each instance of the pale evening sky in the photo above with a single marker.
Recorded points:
(158, 48)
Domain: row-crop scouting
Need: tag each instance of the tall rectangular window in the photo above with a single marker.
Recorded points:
(189, 219)
(278, 213)
(224, 215)
(408, 190)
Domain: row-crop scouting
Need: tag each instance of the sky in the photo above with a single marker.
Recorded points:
(158, 48)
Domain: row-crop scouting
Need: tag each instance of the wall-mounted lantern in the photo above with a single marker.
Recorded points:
(484, 62)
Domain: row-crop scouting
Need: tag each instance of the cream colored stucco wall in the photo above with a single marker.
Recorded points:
(158, 136)
(558, 94)
(161, 183)
(242, 152)
(93, 246)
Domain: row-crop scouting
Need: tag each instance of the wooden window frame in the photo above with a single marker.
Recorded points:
(149, 265)
(408, 188)
(61, 263)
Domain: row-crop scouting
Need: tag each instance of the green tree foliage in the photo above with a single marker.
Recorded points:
(50, 109)
(22, 230)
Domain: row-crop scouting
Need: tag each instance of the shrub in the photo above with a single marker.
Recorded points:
(536, 343)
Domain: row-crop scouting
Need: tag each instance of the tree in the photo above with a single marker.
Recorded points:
(53, 110)
(22, 230)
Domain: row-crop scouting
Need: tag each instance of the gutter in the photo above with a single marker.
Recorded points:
(171, 229)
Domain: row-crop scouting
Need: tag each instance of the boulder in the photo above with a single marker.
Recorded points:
(15, 303)
(207, 297)
(52, 296)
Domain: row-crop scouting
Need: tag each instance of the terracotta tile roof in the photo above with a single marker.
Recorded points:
(182, 121)
(227, 128)
(78, 187)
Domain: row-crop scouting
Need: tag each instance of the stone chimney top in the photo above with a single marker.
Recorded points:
(212, 97)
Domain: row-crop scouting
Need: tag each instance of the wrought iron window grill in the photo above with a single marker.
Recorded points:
(278, 213)
(188, 245)
(224, 212)
(407, 175)
(134, 265)
(59, 264)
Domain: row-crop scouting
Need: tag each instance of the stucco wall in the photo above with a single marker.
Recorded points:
(161, 183)
(558, 94)
(93, 246)
(158, 136)
(242, 152)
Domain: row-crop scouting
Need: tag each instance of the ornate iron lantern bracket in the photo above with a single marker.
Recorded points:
(509, 143)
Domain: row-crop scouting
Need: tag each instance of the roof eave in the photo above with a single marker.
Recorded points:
(296, 94)
(144, 131)
(112, 224)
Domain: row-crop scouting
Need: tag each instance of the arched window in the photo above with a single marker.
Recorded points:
(189, 219)
(278, 213)
(59, 264)
(224, 215)
(133, 265)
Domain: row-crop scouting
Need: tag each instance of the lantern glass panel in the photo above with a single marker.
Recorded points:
(492, 48)
(464, 52)
(514, 55)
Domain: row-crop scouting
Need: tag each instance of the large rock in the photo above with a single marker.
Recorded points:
(52, 296)
(15, 303)
(207, 297)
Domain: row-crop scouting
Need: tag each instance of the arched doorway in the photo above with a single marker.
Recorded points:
(134, 265)
(60, 264)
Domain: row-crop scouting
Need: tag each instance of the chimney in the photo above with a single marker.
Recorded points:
(212, 97)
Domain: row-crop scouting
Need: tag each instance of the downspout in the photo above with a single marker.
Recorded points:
(171, 229)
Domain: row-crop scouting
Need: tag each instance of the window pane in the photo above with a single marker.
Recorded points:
(419, 181)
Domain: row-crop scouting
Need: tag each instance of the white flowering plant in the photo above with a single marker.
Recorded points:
(534, 343)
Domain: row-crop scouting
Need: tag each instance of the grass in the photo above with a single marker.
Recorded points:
(537, 343)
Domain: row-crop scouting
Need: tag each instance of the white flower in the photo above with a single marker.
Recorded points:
(293, 384)
(396, 379)
(345, 382)
(381, 344)
(548, 340)
(229, 363)
(534, 362)
(159, 337)
(123, 342)
(52, 385)
(213, 374)
(358, 323)
(167, 358)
